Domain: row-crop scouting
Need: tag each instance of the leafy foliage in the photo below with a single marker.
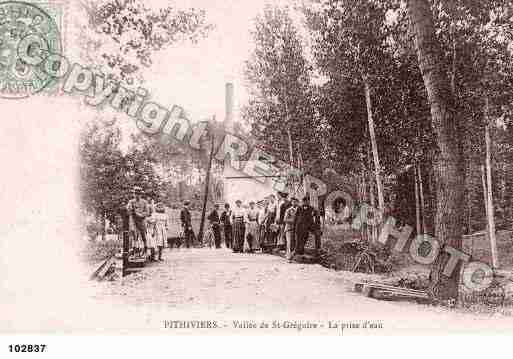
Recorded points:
(108, 176)
(122, 36)
(282, 99)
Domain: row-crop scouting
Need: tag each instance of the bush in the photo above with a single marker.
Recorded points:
(93, 229)
(338, 250)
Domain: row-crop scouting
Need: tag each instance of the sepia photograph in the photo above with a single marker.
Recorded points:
(256, 168)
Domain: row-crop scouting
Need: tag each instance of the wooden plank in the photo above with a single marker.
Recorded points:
(100, 268)
(385, 293)
(366, 288)
(390, 286)
(386, 286)
(101, 274)
(399, 291)
(136, 263)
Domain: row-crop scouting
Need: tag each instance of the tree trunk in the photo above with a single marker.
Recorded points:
(469, 178)
(489, 202)
(375, 154)
(422, 203)
(417, 201)
(372, 199)
(363, 226)
(104, 225)
(448, 164)
(181, 191)
(485, 198)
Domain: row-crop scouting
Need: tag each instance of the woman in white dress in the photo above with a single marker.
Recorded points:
(160, 228)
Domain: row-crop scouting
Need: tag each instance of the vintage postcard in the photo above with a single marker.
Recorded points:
(256, 167)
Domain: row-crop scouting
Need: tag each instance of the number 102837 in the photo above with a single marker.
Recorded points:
(27, 348)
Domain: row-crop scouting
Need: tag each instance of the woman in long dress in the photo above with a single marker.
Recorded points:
(160, 228)
(150, 230)
(239, 227)
(251, 242)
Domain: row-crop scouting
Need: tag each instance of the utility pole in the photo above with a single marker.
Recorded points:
(207, 185)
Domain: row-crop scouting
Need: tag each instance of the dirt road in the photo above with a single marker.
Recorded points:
(245, 290)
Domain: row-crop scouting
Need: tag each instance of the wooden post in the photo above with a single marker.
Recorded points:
(377, 166)
(491, 215)
(207, 184)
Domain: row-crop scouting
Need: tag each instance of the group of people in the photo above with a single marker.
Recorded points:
(282, 223)
(148, 225)
(278, 223)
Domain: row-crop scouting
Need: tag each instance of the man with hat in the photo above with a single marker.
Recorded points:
(185, 218)
(139, 209)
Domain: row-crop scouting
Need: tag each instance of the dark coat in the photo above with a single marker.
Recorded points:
(185, 217)
(225, 218)
(305, 218)
(283, 208)
(213, 217)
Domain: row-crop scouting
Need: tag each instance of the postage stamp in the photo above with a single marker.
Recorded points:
(18, 20)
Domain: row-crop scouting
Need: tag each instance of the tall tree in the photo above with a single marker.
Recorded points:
(446, 124)
(353, 51)
(281, 98)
